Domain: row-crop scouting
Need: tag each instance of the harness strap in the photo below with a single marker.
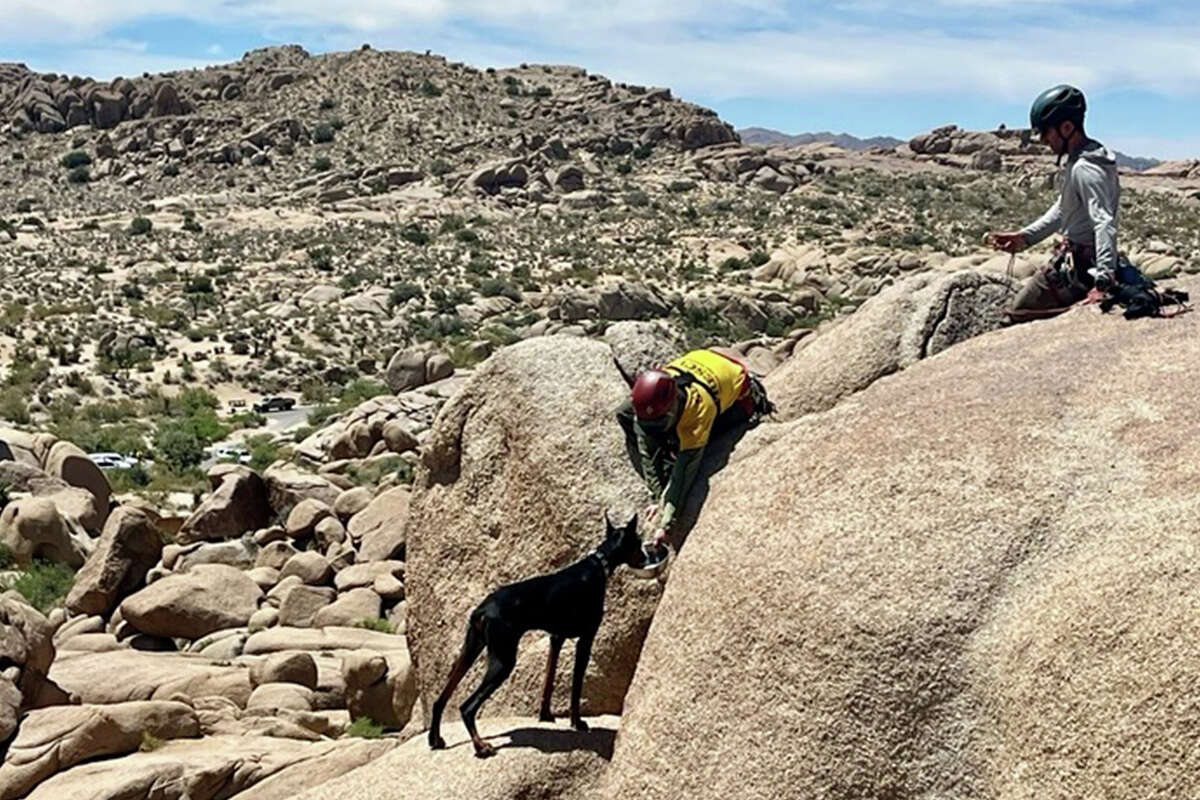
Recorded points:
(689, 378)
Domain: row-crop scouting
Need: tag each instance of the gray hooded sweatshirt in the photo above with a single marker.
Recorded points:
(1086, 210)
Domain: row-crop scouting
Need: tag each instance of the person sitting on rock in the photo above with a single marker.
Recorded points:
(1086, 211)
(673, 412)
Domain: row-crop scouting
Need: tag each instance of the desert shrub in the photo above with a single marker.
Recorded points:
(375, 624)
(322, 164)
(414, 234)
(403, 292)
(150, 742)
(178, 445)
(321, 259)
(139, 226)
(497, 287)
(365, 728)
(79, 175)
(323, 133)
(371, 473)
(75, 158)
(44, 584)
(480, 265)
(13, 406)
(264, 451)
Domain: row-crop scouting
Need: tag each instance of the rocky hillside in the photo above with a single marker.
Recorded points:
(390, 118)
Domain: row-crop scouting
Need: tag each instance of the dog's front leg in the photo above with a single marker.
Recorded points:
(583, 653)
(556, 643)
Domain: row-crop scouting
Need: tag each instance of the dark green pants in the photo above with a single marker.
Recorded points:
(1049, 292)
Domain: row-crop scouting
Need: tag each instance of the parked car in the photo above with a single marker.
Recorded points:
(112, 460)
(268, 404)
(231, 452)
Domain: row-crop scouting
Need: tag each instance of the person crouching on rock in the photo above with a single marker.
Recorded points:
(1086, 211)
(673, 412)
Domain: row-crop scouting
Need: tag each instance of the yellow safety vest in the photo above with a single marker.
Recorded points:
(724, 377)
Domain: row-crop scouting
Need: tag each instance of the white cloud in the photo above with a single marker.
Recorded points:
(105, 63)
(711, 50)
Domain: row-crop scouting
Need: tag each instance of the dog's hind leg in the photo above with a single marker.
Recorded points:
(556, 643)
(472, 647)
(502, 657)
(583, 653)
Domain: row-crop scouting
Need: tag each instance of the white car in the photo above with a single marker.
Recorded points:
(112, 460)
(231, 452)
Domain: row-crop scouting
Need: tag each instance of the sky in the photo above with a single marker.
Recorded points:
(866, 67)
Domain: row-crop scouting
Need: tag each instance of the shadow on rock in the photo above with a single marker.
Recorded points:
(716, 455)
(549, 740)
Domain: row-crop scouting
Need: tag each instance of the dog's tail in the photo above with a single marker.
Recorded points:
(473, 645)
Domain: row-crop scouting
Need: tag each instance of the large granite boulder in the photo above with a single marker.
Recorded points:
(248, 767)
(57, 738)
(975, 579)
(536, 760)
(642, 345)
(916, 318)
(210, 597)
(26, 652)
(32, 528)
(138, 675)
(128, 548)
(515, 479)
(378, 530)
(288, 486)
(237, 506)
(380, 686)
(68, 462)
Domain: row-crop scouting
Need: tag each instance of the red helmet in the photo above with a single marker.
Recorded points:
(654, 394)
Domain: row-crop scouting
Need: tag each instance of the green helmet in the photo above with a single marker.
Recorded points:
(1059, 104)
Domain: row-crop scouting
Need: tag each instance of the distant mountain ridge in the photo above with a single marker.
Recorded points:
(773, 138)
(1135, 162)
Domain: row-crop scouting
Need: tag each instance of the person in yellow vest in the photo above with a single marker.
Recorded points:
(671, 415)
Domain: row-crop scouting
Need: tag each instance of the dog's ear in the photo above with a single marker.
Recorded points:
(609, 529)
(631, 526)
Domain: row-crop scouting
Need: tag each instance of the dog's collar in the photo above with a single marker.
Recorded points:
(603, 561)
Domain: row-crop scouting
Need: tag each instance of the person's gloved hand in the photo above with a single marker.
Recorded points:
(660, 536)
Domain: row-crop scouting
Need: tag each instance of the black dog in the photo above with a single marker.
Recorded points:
(567, 603)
